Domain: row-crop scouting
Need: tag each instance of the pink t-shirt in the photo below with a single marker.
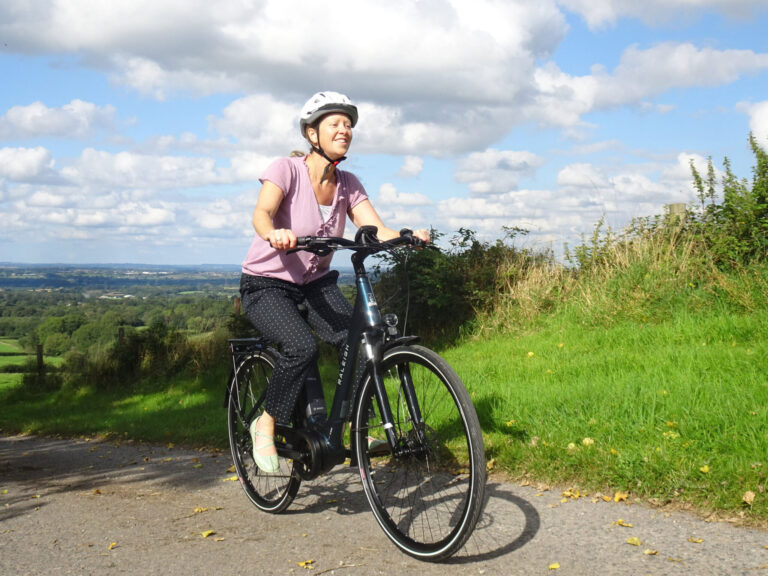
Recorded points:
(300, 212)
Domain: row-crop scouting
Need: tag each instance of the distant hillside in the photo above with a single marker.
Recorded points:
(117, 277)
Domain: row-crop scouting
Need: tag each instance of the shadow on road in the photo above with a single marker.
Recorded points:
(43, 467)
(508, 523)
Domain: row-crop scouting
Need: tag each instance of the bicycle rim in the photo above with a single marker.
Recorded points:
(269, 492)
(427, 502)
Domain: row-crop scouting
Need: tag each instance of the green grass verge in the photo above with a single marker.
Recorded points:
(185, 412)
(673, 411)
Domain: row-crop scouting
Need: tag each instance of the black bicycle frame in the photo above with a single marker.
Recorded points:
(367, 327)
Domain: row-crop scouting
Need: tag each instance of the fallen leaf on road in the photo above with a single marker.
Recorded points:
(554, 566)
(112, 546)
(634, 541)
(231, 479)
(207, 533)
(695, 540)
(650, 552)
(620, 497)
(307, 564)
(621, 522)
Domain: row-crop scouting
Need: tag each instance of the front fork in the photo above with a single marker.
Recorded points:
(373, 343)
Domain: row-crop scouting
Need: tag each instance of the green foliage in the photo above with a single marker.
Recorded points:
(153, 355)
(732, 216)
(440, 292)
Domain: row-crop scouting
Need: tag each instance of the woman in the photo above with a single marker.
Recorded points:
(302, 196)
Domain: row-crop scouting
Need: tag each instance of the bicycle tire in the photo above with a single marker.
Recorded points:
(269, 492)
(429, 502)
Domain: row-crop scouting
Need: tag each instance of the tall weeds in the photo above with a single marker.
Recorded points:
(713, 254)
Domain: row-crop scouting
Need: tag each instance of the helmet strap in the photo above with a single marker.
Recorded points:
(330, 168)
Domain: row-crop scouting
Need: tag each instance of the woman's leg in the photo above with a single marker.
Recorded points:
(272, 310)
(329, 312)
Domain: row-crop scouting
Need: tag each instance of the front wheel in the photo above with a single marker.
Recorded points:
(269, 492)
(427, 491)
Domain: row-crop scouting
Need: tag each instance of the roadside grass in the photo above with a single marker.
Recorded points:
(675, 410)
(183, 411)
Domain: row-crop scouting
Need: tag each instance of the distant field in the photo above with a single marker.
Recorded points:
(9, 346)
(11, 354)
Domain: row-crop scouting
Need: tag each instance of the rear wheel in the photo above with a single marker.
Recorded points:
(269, 492)
(428, 493)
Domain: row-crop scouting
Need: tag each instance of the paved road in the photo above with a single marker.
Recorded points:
(98, 507)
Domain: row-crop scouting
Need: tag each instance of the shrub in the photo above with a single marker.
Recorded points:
(439, 293)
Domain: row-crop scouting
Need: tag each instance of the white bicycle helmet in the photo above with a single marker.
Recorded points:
(324, 103)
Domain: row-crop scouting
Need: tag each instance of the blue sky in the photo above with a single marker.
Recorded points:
(136, 131)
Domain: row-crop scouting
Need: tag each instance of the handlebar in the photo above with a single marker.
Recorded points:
(365, 241)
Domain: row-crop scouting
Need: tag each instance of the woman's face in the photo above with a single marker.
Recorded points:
(335, 133)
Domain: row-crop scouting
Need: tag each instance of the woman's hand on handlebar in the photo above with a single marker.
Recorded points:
(282, 239)
(422, 235)
(416, 238)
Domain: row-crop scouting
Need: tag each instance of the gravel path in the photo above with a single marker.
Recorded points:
(99, 507)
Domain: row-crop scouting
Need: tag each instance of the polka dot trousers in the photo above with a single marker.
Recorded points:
(272, 307)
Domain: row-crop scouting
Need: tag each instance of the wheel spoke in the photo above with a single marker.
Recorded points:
(269, 492)
(428, 497)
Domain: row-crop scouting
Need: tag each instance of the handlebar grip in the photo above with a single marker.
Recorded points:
(303, 240)
(412, 240)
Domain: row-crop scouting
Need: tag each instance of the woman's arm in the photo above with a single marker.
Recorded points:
(270, 198)
(364, 214)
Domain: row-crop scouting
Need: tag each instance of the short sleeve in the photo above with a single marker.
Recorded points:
(280, 173)
(355, 191)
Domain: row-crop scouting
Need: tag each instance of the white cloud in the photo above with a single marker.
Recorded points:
(496, 171)
(46, 199)
(583, 176)
(74, 120)
(758, 121)
(131, 170)
(412, 166)
(608, 12)
(249, 166)
(24, 164)
(259, 121)
(389, 195)
(265, 46)
(584, 193)
(563, 99)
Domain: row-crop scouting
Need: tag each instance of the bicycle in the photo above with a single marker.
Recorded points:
(424, 476)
